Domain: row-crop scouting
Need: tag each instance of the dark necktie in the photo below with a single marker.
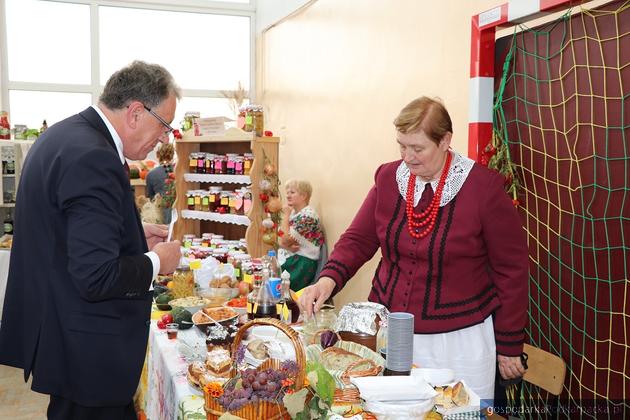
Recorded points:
(427, 196)
(126, 166)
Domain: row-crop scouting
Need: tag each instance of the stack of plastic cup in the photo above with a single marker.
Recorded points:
(400, 328)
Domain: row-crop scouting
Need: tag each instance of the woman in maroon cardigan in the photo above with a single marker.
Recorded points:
(453, 253)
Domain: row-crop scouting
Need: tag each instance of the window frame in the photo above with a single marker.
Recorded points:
(95, 88)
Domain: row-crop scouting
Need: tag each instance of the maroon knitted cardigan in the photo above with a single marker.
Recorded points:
(473, 264)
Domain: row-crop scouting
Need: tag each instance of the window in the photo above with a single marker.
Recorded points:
(54, 70)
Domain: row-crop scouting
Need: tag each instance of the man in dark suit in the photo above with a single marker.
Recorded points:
(78, 299)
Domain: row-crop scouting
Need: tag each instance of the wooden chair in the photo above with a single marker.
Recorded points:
(545, 370)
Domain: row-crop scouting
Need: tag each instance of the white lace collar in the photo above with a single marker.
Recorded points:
(457, 174)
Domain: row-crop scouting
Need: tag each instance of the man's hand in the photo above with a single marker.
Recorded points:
(314, 296)
(154, 234)
(510, 367)
(169, 254)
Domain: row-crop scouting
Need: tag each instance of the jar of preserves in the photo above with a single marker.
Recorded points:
(192, 163)
(232, 200)
(220, 164)
(209, 163)
(204, 201)
(187, 240)
(248, 159)
(238, 165)
(249, 119)
(189, 120)
(220, 254)
(247, 200)
(190, 200)
(198, 200)
(213, 198)
(240, 121)
(223, 206)
(259, 121)
(216, 241)
(183, 282)
(201, 163)
(247, 272)
(230, 163)
(242, 260)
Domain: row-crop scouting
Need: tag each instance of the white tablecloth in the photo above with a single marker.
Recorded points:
(5, 255)
(168, 394)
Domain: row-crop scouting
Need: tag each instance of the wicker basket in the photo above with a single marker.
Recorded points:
(263, 409)
(345, 392)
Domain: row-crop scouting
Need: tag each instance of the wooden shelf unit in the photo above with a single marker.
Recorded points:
(235, 141)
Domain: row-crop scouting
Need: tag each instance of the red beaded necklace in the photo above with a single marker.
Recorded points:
(427, 217)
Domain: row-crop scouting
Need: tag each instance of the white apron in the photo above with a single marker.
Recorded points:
(470, 352)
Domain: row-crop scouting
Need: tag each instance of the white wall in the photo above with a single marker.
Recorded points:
(269, 12)
(332, 79)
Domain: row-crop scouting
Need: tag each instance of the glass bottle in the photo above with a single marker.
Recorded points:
(44, 127)
(381, 338)
(252, 296)
(265, 305)
(289, 309)
(271, 263)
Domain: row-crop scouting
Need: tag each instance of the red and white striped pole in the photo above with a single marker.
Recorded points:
(482, 42)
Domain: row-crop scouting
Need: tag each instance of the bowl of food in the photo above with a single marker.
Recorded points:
(190, 303)
(206, 317)
(162, 301)
(239, 304)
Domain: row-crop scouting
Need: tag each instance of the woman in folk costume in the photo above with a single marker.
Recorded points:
(301, 235)
(453, 253)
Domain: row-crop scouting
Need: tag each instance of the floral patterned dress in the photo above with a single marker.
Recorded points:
(305, 228)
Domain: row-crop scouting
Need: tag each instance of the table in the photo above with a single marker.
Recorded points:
(5, 256)
(165, 393)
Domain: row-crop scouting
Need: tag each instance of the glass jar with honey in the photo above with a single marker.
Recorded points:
(183, 282)
(248, 159)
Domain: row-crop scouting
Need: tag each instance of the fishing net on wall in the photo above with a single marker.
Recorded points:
(562, 139)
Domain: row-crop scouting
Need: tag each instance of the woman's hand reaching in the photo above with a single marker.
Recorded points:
(314, 296)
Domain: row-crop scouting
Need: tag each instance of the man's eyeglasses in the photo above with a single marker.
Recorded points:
(166, 125)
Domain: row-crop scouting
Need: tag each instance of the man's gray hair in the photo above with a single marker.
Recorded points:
(139, 81)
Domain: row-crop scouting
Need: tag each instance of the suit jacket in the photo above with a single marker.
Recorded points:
(77, 306)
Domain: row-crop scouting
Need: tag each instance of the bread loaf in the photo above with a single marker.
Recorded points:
(335, 358)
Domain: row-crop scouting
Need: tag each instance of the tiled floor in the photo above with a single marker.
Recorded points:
(17, 401)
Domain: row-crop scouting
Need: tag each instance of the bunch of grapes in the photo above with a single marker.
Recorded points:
(264, 385)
